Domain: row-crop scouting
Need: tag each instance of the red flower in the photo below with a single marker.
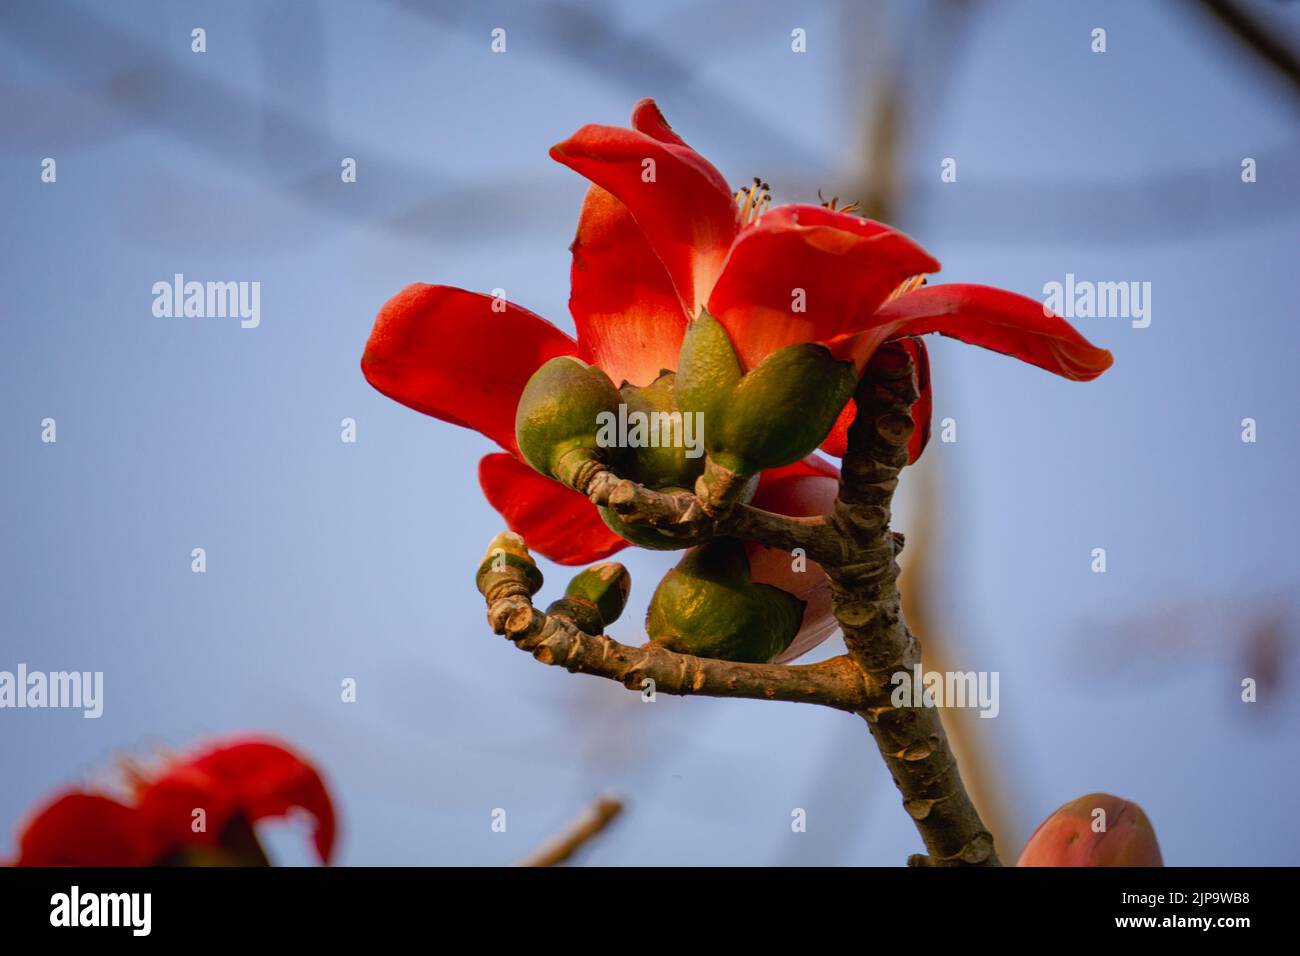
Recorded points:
(660, 237)
(235, 785)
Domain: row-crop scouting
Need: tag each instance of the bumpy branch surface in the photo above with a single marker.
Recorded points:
(859, 552)
(837, 683)
(869, 609)
(681, 514)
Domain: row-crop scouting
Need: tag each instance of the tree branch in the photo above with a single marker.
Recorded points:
(1259, 38)
(683, 515)
(552, 640)
(592, 823)
(868, 606)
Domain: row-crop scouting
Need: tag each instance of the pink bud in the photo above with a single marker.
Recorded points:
(802, 496)
(1094, 830)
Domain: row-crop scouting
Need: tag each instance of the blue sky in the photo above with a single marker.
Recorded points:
(329, 560)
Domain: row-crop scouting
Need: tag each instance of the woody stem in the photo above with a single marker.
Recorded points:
(868, 606)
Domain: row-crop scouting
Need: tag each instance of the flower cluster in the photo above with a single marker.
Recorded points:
(691, 300)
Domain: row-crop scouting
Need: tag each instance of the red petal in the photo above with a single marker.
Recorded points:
(629, 319)
(799, 492)
(168, 804)
(264, 779)
(445, 352)
(810, 466)
(837, 441)
(686, 212)
(993, 318)
(647, 118)
(85, 829)
(555, 521)
(844, 266)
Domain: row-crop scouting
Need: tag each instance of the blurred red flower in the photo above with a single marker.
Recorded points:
(234, 785)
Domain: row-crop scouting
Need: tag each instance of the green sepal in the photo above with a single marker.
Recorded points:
(668, 464)
(784, 407)
(771, 416)
(558, 417)
(707, 369)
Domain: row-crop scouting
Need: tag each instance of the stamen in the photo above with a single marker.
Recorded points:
(906, 286)
(753, 200)
(833, 204)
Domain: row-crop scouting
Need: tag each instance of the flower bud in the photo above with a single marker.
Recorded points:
(557, 420)
(508, 561)
(771, 416)
(709, 607)
(595, 598)
(1094, 830)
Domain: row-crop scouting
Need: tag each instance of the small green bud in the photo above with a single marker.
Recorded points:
(709, 607)
(508, 560)
(773, 415)
(557, 421)
(595, 598)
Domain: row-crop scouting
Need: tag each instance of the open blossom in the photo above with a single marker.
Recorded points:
(234, 786)
(661, 240)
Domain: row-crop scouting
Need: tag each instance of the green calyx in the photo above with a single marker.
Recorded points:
(668, 451)
(665, 453)
(709, 607)
(595, 598)
(771, 416)
(559, 417)
(507, 561)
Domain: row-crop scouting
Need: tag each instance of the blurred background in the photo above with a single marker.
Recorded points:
(328, 560)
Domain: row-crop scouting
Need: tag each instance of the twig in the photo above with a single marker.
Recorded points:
(683, 515)
(586, 828)
(834, 683)
(1259, 38)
